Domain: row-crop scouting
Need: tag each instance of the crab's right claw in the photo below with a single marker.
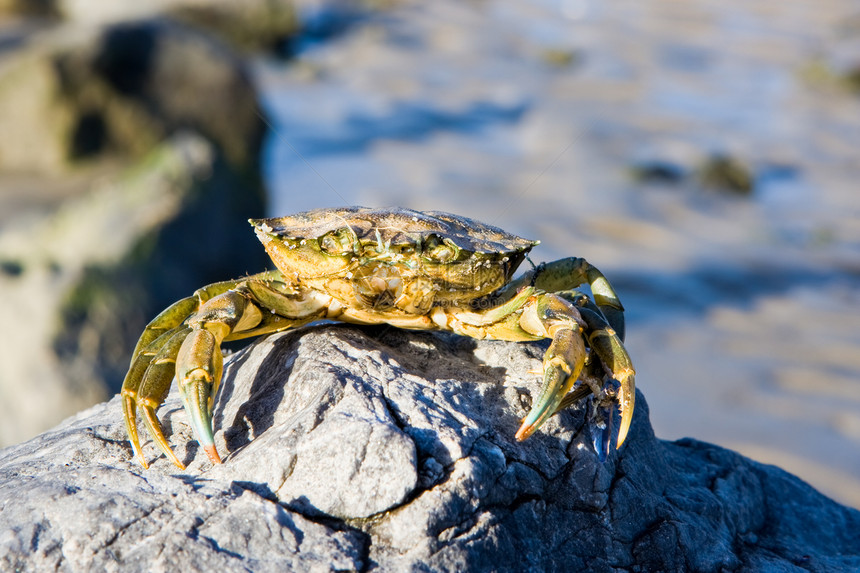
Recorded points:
(618, 396)
(613, 404)
(199, 366)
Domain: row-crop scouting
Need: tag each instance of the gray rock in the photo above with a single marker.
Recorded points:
(377, 449)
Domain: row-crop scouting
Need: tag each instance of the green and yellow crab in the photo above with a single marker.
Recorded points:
(410, 269)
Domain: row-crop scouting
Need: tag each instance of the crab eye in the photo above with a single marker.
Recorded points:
(336, 242)
(439, 249)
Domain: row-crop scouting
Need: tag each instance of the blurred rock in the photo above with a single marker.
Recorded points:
(852, 79)
(280, 27)
(129, 165)
(248, 25)
(727, 174)
(29, 8)
(719, 172)
(102, 12)
(657, 171)
(80, 282)
(77, 95)
(380, 449)
(561, 57)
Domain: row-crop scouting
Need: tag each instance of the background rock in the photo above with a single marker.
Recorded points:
(79, 94)
(267, 25)
(379, 449)
(129, 165)
(252, 25)
(29, 8)
(79, 284)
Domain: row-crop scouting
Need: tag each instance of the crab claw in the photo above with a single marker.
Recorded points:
(562, 364)
(613, 404)
(625, 398)
(199, 365)
(612, 407)
(618, 395)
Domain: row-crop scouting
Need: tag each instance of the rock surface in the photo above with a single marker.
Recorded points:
(379, 449)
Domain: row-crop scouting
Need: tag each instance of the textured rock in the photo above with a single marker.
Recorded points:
(379, 449)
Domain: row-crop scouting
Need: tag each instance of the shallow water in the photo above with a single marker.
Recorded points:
(743, 318)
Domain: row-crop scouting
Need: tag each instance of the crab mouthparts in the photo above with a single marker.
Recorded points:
(378, 286)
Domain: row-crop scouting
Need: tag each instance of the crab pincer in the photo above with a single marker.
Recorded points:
(199, 366)
(559, 318)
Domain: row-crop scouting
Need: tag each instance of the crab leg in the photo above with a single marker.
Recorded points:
(567, 318)
(565, 274)
(156, 336)
(185, 340)
(154, 387)
(618, 389)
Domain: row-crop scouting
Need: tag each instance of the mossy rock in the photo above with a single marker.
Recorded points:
(80, 283)
(727, 174)
(76, 97)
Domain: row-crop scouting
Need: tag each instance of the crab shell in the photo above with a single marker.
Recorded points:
(392, 257)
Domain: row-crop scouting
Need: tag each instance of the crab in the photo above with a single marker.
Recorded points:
(405, 268)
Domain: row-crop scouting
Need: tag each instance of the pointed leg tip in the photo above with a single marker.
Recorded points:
(172, 457)
(524, 432)
(213, 454)
(137, 452)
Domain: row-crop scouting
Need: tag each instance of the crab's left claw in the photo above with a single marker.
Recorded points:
(562, 364)
(548, 315)
(612, 408)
